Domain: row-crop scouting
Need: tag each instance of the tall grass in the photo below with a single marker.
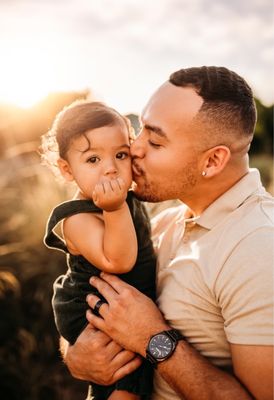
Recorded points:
(28, 193)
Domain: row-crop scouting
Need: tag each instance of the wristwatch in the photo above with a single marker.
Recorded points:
(162, 345)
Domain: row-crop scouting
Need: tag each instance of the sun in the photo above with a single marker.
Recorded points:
(26, 77)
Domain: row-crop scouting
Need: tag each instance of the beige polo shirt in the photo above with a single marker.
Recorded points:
(215, 273)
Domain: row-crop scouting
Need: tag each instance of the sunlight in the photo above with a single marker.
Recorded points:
(26, 77)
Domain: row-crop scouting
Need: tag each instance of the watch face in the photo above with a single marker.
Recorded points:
(160, 346)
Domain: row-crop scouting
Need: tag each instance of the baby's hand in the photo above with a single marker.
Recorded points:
(110, 195)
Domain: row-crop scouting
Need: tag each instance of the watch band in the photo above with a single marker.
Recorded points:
(151, 359)
(174, 334)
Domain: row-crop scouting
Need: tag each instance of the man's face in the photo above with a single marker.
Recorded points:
(165, 159)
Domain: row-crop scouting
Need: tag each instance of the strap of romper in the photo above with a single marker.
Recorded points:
(62, 211)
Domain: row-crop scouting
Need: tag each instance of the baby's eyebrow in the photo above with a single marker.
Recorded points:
(98, 149)
(122, 146)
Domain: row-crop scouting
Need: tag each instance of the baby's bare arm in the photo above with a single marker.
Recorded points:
(108, 242)
(119, 239)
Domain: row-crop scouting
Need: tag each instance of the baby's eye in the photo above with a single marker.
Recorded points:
(93, 159)
(121, 155)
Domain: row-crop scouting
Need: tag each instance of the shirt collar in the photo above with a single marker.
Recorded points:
(230, 200)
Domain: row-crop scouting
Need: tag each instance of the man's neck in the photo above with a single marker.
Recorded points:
(210, 191)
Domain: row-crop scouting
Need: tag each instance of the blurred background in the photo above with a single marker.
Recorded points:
(53, 52)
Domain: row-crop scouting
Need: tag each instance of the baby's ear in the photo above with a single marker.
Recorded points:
(65, 169)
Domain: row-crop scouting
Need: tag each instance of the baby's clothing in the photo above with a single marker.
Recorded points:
(71, 289)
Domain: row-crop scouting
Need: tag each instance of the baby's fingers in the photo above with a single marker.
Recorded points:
(118, 185)
(98, 192)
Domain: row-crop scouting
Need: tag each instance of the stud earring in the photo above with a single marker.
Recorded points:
(204, 173)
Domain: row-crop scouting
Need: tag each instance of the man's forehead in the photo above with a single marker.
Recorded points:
(173, 102)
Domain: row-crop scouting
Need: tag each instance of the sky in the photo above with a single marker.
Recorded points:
(122, 50)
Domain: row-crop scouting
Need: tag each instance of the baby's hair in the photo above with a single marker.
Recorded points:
(74, 121)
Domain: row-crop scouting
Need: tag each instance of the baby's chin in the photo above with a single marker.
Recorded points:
(81, 196)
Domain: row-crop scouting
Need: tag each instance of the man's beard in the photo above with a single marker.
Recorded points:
(152, 193)
(147, 193)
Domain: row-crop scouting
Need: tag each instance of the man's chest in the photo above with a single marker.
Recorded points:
(187, 273)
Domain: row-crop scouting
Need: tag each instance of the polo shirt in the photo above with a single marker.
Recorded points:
(215, 273)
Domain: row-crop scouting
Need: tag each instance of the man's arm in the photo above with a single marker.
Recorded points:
(187, 372)
(253, 365)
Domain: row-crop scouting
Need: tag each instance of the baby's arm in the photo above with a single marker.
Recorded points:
(109, 243)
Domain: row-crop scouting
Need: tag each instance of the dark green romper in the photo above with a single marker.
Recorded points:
(70, 290)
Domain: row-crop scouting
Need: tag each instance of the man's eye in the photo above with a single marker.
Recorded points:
(155, 145)
(121, 155)
(93, 160)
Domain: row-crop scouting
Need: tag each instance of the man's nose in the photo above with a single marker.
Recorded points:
(137, 148)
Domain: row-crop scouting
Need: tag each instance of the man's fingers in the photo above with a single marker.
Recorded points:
(99, 306)
(98, 322)
(127, 368)
(104, 287)
(122, 358)
(90, 333)
(114, 348)
(116, 283)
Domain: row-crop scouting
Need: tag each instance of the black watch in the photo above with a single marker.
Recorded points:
(162, 345)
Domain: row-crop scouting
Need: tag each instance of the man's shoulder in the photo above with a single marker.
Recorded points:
(267, 208)
(259, 210)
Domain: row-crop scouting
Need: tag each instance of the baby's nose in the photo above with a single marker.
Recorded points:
(111, 170)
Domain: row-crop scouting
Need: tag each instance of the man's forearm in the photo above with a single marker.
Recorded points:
(194, 378)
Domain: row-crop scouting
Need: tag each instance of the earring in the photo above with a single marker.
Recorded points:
(204, 173)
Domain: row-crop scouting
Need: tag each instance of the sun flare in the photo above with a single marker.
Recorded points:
(26, 77)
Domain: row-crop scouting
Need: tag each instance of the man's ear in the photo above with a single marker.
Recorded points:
(65, 169)
(215, 160)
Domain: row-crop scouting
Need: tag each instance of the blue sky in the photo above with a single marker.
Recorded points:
(124, 49)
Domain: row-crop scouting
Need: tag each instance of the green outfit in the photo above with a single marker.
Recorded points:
(71, 289)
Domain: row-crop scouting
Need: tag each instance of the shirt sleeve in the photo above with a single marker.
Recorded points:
(245, 290)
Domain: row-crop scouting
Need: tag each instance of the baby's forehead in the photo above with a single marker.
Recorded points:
(108, 137)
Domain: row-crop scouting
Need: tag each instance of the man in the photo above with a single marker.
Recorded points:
(214, 282)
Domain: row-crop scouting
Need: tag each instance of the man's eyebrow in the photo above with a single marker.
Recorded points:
(156, 130)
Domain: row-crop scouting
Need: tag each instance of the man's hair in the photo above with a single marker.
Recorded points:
(228, 101)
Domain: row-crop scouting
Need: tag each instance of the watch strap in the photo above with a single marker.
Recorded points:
(174, 335)
(151, 359)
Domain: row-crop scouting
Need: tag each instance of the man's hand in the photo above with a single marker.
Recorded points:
(96, 357)
(130, 317)
(110, 195)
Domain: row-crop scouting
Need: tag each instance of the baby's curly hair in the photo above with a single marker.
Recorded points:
(74, 121)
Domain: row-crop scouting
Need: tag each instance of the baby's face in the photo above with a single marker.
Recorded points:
(100, 155)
